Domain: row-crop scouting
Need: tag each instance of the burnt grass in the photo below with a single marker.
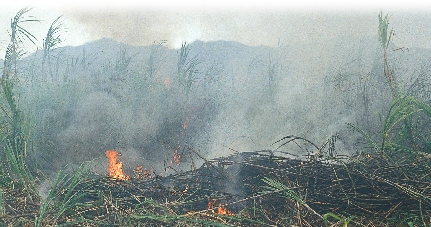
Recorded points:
(362, 189)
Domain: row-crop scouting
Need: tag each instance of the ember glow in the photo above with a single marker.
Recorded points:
(220, 209)
(185, 123)
(142, 173)
(177, 157)
(211, 204)
(115, 169)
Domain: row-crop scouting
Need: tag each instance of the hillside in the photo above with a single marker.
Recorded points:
(138, 99)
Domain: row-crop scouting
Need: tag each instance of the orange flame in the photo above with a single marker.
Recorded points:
(177, 157)
(211, 204)
(142, 173)
(185, 123)
(220, 209)
(115, 169)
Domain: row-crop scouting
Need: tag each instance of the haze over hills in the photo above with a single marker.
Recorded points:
(224, 96)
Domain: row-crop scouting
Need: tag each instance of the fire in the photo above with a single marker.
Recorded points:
(210, 208)
(185, 123)
(115, 169)
(220, 209)
(177, 157)
(211, 204)
(142, 173)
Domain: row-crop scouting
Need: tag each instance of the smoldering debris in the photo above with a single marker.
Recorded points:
(278, 185)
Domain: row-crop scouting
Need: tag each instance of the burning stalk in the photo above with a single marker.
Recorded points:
(142, 173)
(115, 169)
(220, 208)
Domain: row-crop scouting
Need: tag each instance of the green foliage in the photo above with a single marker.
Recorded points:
(401, 126)
(2, 208)
(384, 37)
(150, 212)
(398, 132)
(343, 220)
(14, 127)
(63, 196)
(279, 187)
(286, 192)
(17, 36)
(51, 40)
(398, 122)
(171, 219)
(14, 136)
(186, 67)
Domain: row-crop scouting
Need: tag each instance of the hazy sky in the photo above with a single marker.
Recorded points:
(309, 23)
(309, 29)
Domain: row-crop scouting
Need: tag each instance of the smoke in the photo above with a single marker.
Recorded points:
(239, 98)
(107, 95)
(98, 123)
(252, 27)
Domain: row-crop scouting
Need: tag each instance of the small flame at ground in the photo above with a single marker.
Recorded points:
(115, 169)
(220, 209)
(185, 123)
(177, 157)
(211, 204)
(142, 173)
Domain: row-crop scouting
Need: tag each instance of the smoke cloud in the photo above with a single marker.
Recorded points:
(300, 73)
